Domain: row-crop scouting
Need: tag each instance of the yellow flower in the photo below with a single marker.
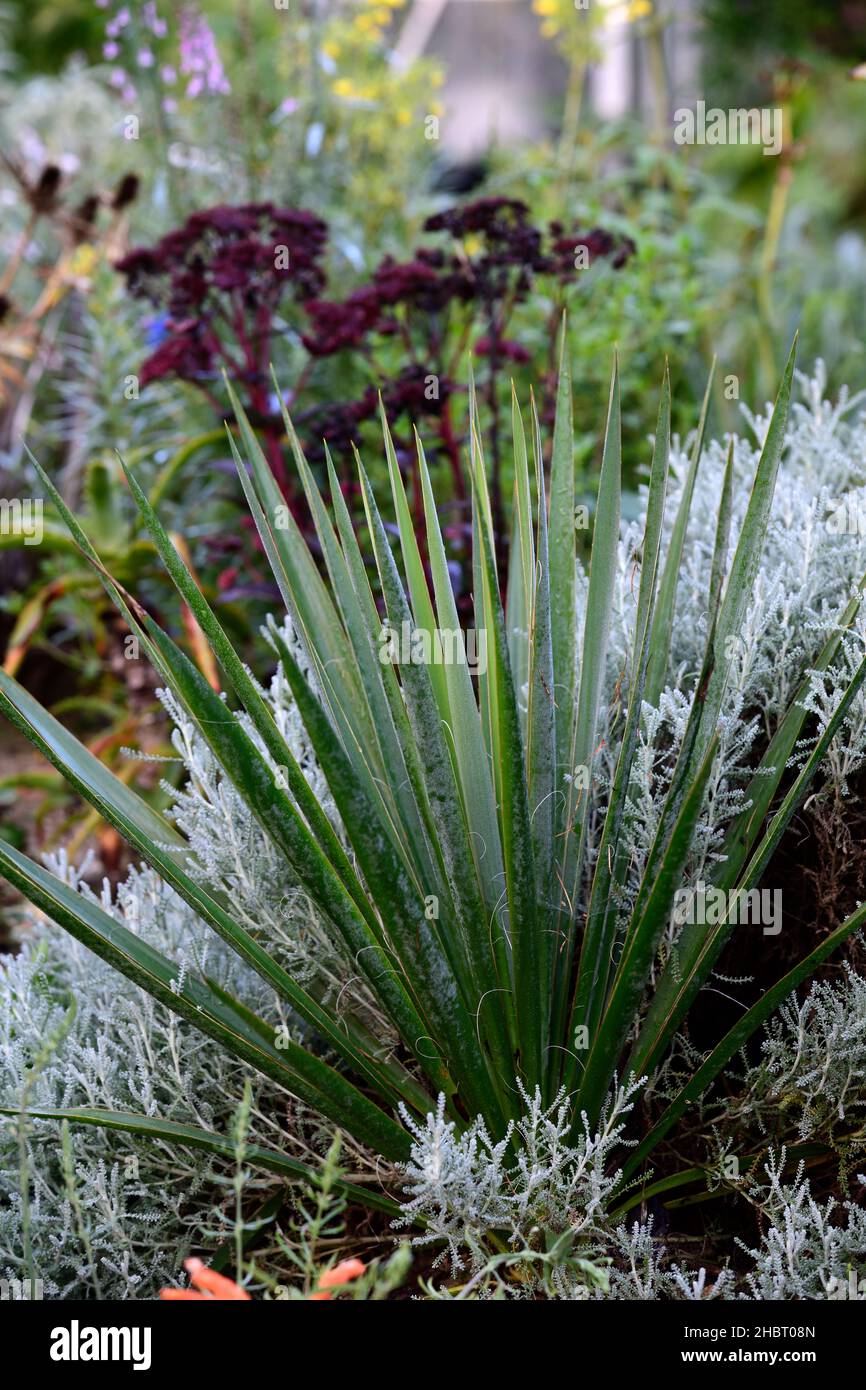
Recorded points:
(619, 13)
(546, 7)
(472, 245)
(371, 22)
(83, 262)
(344, 87)
(404, 115)
(331, 49)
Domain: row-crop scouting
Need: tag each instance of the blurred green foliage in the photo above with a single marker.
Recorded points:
(43, 35)
(740, 37)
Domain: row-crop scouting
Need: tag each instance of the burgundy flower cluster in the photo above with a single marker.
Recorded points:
(598, 242)
(232, 279)
(218, 282)
(511, 254)
(493, 256)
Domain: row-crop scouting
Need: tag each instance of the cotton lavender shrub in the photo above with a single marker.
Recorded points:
(468, 1187)
(108, 1218)
(809, 1249)
(809, 1081)
(456, 890)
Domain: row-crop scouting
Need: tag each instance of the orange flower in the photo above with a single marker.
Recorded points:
(214, 1286)
(342, 1273)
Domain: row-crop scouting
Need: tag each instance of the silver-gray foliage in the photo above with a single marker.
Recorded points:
(133, 1210)
(465, 1186)
(812, 1070)
(809, 1249)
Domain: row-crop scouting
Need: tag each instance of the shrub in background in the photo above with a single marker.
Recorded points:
(238, 288)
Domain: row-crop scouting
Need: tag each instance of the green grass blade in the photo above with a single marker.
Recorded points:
(725, 616)
(306, 1076)
(723, 539)
(639, 953)
(177, 1134)
(530, 942)
(430, 738)
(461, 725)
(151, 835)
(593, 663)
(160, 845)
(465, 810)
(667, 595)
(599, 934)
(521, 573)
(735, 1039)
(306, 596)
(390, 780)
(561, 528)
(599, 602)
(541, 710)
(413, 566)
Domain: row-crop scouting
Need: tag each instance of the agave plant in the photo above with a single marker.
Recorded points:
(453, 863)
